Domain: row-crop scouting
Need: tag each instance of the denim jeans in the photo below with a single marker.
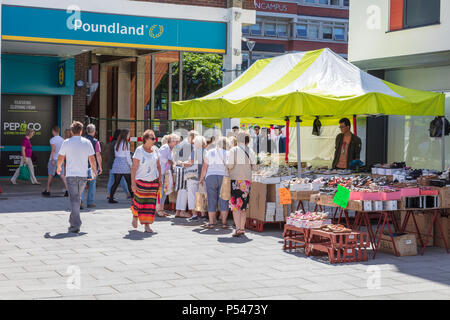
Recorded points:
(75, 186)
(91, 190)
(123, 184)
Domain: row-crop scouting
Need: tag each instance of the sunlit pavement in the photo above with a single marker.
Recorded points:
(109, 259)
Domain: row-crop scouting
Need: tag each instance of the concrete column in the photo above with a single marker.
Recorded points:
(103, 97)
(140, 87)
(232, 60)
(124, 94)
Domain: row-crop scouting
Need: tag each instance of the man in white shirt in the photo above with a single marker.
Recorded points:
(56, 143)
(77, 151)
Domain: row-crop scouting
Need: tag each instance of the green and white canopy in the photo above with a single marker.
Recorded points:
(314, 83)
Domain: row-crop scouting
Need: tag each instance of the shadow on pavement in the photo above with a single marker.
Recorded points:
(64, 235)
(138, 235)
(241, 239)
(217, 231)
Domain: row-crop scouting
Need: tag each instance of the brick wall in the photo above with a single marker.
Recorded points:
(82, 64)
(323, 12)
(247, 4)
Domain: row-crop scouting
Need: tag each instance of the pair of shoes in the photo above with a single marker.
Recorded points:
(74, 229)
(66, 194)
(46, 193)
(91, 205)
(194, 218)
(148, 229)
(13, 182)
(37, 182)
(111, 200)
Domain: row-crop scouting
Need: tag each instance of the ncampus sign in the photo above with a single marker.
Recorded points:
(111, 30)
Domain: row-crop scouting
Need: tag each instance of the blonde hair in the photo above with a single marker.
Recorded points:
(173, 137)
(165, 139)
(199, 142)
(222, 143)
(233, 141)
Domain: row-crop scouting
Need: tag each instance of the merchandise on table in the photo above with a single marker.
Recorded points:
(308, 220)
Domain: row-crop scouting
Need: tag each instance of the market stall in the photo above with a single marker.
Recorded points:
(299, 88)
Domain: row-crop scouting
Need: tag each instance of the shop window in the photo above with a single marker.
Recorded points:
(310, 1)
(339, 34)
(256, 29)
(269, 30)
(313, 31)
(421, 13)
(302, 31)
(346, 3)
(327, 33)
(335, 2)
(245, 30)
(282, 30)
(325, 2)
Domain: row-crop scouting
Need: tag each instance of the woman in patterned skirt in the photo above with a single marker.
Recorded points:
(145, 181)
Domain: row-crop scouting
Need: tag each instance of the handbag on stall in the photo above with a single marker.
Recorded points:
(201, 199)
(225, 189)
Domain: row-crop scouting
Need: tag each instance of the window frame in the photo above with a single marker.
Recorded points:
(405, 11)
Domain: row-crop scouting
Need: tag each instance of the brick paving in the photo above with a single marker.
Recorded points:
(40, 260)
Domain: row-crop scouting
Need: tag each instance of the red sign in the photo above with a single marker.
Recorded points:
(275, 6)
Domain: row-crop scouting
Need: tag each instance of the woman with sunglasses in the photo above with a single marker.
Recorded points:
(145, 181)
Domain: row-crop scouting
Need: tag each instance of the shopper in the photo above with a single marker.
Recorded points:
(77, 152)
(213, 171)
(241, 161)
(90, 134)
(259, 141)
(347, 147)
(67, 134)
(166, 161)
(111, 156)
(55, 143)
(278, 141)
(145, 181)
(232, 141)
(121, 167)
(26, 154)
(182, 155)
(193, 172)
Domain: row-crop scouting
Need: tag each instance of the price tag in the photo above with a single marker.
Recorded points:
(341, 196)
(285, 196)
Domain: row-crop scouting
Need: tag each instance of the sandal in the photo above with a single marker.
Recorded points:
(209, 226)
(224, 226)
(236, 234)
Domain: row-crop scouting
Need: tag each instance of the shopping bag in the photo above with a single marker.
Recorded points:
(24, 173)
(180, 180)
(168, 182)
(201, 199)
(225, 189)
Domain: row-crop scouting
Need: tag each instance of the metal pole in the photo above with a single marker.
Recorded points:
(152, 91)
(180, 77)
(443, 143)
(250, 56)
(299, 158)
(169, 101)
(287, 140)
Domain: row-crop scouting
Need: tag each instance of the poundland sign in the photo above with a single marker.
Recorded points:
(99, 29)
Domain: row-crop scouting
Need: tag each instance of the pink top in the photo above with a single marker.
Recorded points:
(97, 147)
(27, 144)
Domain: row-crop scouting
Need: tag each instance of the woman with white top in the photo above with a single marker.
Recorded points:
(213, 171)
(166, 161)
(145, 181)
(122, 163)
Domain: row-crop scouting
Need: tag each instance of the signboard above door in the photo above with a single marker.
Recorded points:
(111, 30)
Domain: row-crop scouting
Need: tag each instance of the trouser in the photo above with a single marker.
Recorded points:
(91, 190)
(187, 195)
(123, 184)
(117, 178)
(75, 186)
(213, 184)
(29, 163)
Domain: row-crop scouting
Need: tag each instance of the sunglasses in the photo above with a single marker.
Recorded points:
(152, 138)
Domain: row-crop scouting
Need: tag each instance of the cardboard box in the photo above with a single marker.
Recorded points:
(257, 206)
(423, 223)
(355, 205)
(444, 194)
(438, 241)
(405, 244)
(272, 192)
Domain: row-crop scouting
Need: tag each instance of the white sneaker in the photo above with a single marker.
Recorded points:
(13, 182)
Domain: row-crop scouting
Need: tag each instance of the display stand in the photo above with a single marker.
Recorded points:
(258, 225)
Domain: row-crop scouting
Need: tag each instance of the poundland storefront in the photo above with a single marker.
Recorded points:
(41, 38)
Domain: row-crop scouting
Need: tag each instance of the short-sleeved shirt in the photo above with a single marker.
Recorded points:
(28, 149)
(165, 154)
(97, 147)
(148, 169)
(216, 159)
(57, 141)
(77, 151)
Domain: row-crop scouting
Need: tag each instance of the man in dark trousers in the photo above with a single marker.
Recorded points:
(348, 146)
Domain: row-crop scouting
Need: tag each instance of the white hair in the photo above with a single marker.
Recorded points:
(90, 128)
(199, 142)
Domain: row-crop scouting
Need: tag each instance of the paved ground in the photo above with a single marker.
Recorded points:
(111, 260)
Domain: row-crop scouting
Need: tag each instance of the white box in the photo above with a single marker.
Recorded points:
(367, 205)
(377, 205)
(390, 205)
(374, 170)
(270, 216)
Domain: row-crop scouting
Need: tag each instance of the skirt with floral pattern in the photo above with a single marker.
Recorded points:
(240, 195)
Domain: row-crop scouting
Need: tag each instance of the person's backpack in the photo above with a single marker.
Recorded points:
(436, 127)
